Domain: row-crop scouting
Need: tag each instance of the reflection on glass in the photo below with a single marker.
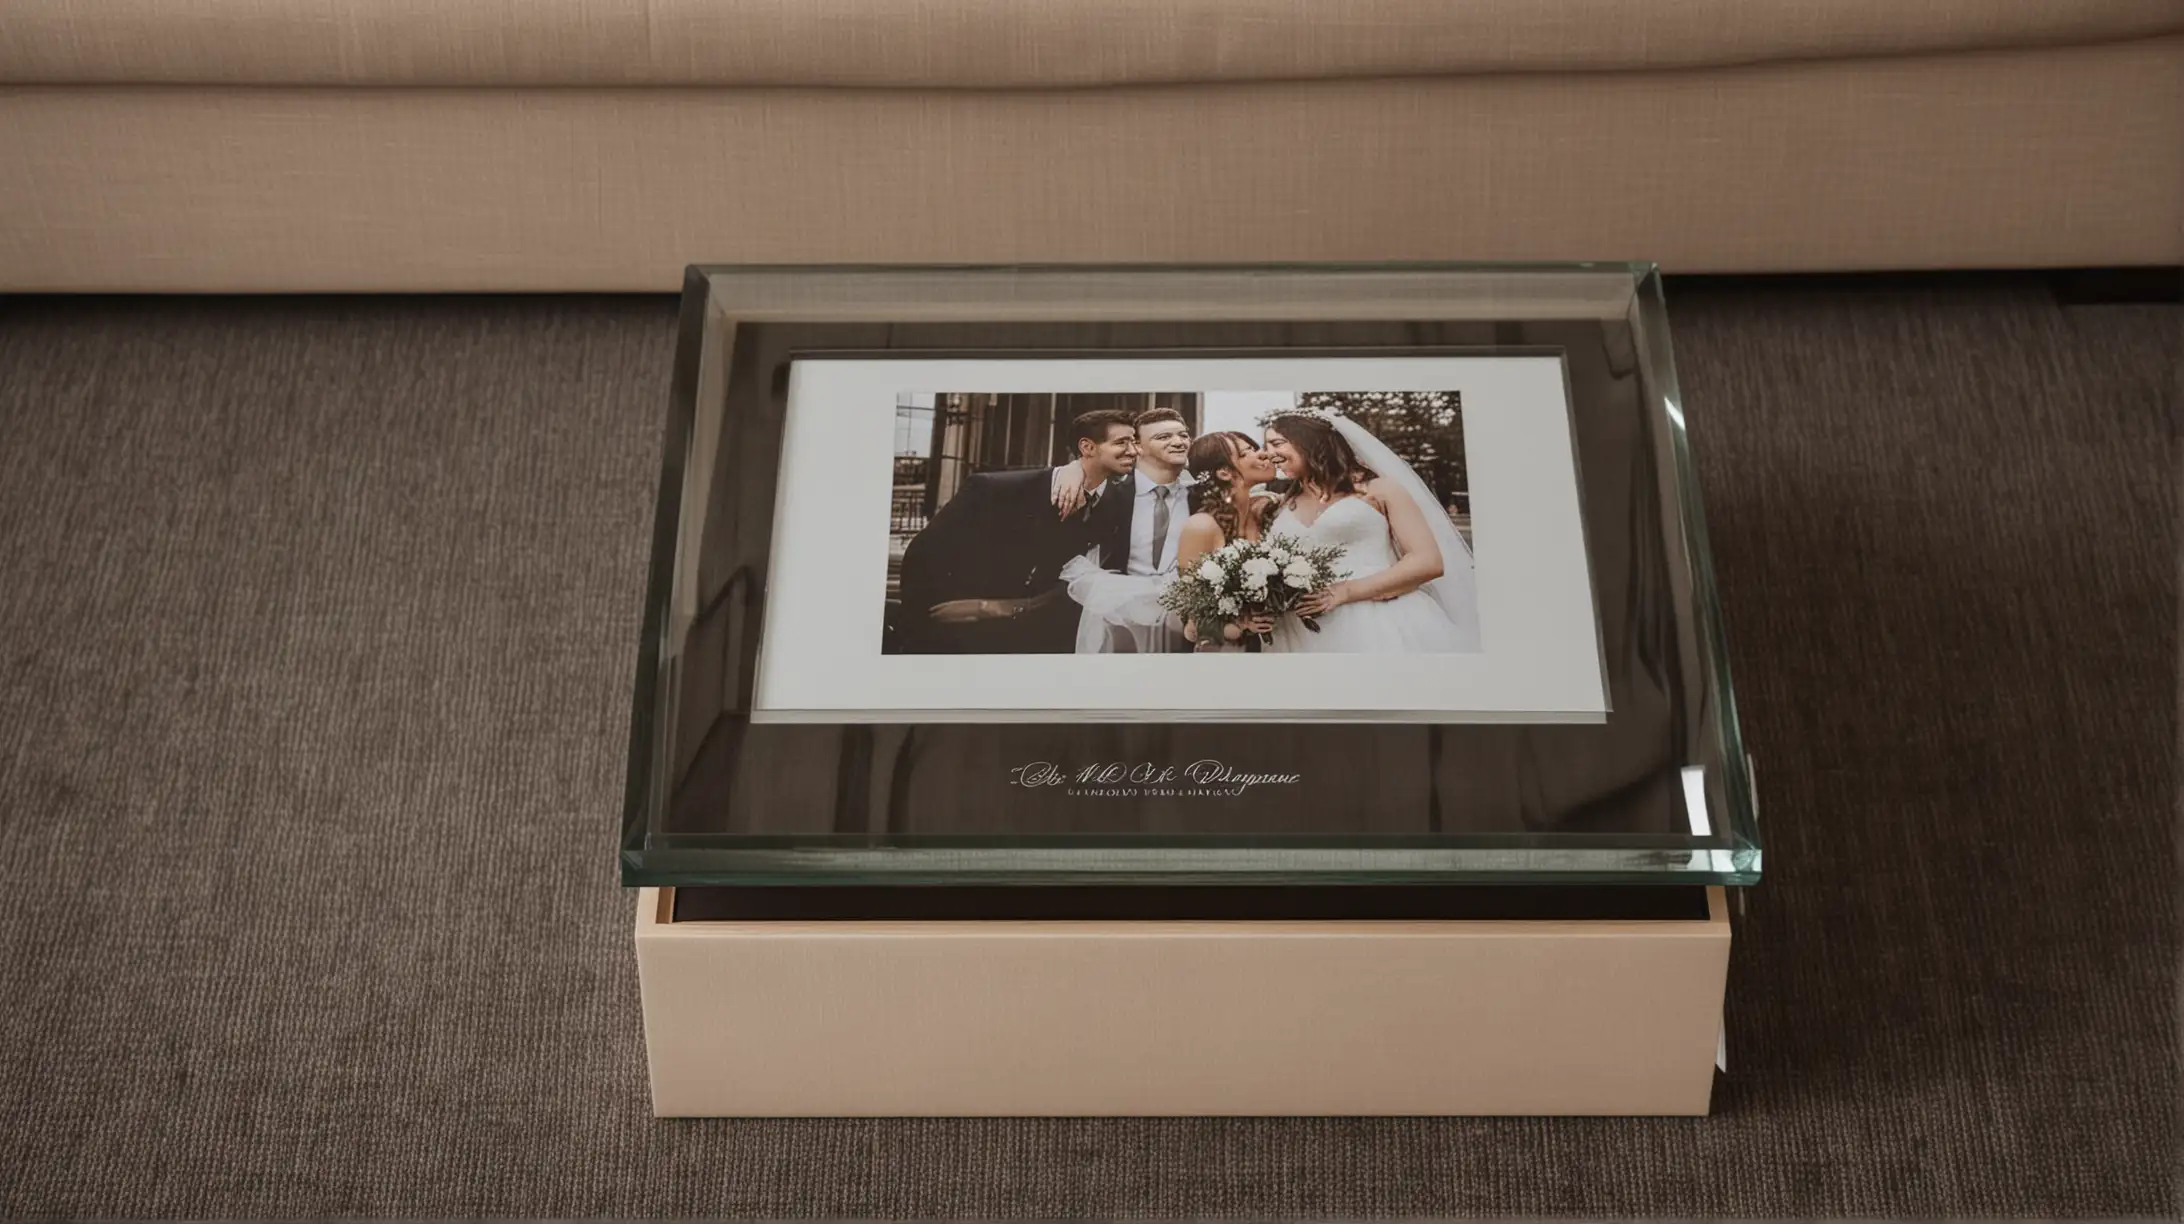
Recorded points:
(1658, 791)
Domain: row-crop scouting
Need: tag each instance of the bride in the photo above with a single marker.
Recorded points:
(1411, 588)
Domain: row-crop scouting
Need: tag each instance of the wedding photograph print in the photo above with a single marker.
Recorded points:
(1045, 538)
(1172, 522)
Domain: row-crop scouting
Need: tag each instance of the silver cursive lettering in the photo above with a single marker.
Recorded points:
(1038, 773)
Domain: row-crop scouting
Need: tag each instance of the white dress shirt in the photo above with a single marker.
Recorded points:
(1142, 556)
(1140, 560)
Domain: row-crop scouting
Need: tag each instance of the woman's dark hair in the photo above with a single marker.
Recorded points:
(1209, 456)
(1328, 460)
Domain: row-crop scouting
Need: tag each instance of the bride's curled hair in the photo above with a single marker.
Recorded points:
(1329, 463)
(1209, 455)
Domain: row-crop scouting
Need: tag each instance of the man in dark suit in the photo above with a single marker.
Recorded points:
(983, 577)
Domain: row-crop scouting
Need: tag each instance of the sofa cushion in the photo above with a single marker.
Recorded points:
(990, 43)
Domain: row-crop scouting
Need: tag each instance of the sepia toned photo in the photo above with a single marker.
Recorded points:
(1278, 522)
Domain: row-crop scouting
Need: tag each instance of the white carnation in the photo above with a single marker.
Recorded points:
(1211, 571)
(1278, 556)
(1229, 605)
(1260, 568)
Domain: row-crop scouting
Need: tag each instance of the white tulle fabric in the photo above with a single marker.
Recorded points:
(1121, 611)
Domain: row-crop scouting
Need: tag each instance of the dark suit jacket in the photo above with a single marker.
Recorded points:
(1109, 523)
(997, 538)
(1112, 518)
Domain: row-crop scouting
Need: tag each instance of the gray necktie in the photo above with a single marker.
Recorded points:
(1160, 525)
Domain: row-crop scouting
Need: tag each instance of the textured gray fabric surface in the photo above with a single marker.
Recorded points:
(317, 636)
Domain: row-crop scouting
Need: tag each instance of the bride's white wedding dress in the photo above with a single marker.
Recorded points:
(1411, 623)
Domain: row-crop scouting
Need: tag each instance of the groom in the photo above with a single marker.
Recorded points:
(983, 577)
(1138, 523)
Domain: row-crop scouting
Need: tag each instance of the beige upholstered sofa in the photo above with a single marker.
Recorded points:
(604, 144)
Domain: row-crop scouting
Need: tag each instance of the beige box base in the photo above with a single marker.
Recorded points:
(1007, 1018)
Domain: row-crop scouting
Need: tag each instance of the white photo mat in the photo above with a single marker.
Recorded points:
(820, 654)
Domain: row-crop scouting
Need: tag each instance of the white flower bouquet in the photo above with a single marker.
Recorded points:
(1244, 579)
